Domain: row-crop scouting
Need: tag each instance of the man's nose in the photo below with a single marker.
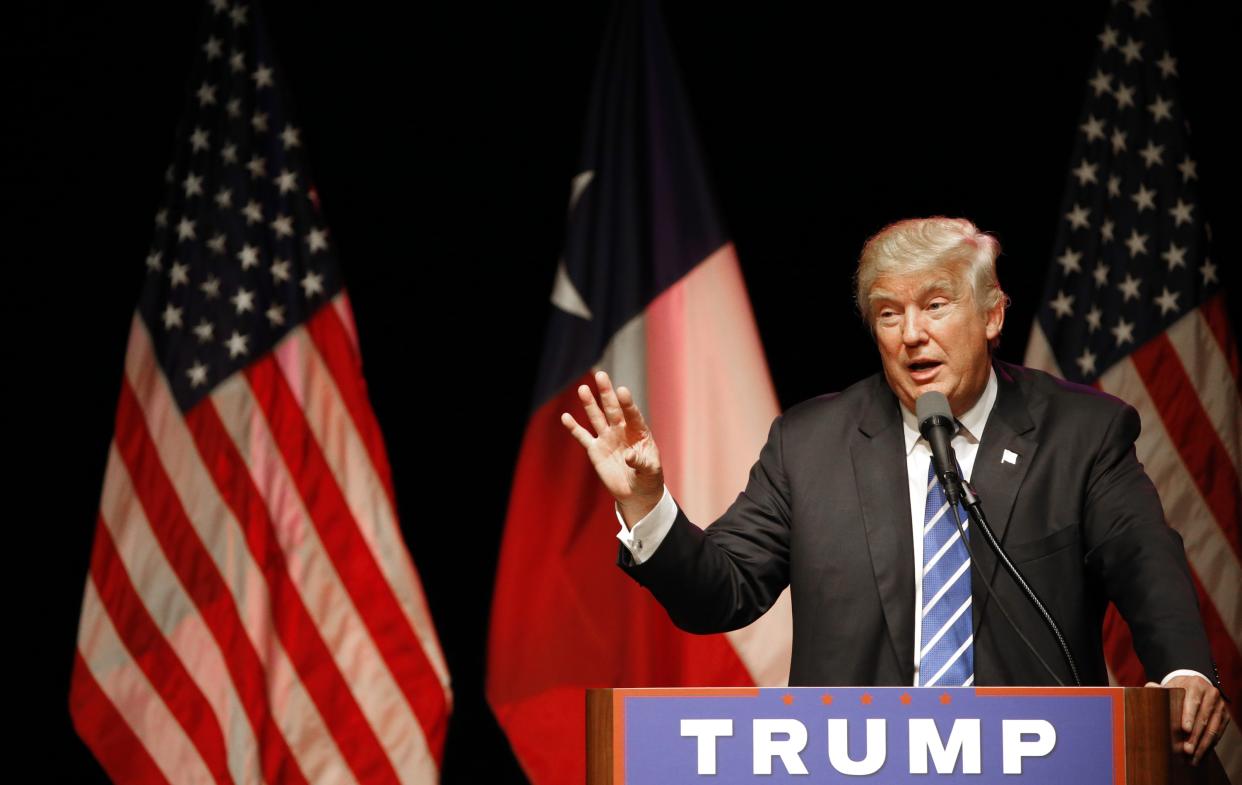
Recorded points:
(913, 330)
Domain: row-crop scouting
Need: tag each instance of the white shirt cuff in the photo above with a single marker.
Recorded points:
(642, 540)
(1177, 673)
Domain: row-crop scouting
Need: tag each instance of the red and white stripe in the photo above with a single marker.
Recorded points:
(252, 614)
(1184, 384)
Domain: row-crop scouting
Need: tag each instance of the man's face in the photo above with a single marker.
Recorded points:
(932, 336)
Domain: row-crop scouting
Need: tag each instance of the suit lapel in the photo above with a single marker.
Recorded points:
(1005, 453)
(878, 453)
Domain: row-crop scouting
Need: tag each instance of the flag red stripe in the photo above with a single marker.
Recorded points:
(203, 583)
(345, 365)
(106, 732)
(153, 654)
(372, 594)
(1119, 651)
(297, 630)
(1224, 651)
(1217, 317)
(1190, 428)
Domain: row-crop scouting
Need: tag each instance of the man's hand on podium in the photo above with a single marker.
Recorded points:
(623, 451)
(1204, 716)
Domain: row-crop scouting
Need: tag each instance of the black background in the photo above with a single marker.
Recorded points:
(442, 142)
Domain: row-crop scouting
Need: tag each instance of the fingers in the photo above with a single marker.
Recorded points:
(608, 398)
(583, 436)
(1190, 709)
(1204, 700)
(634, 420)
(596, 417)
(1211, 732)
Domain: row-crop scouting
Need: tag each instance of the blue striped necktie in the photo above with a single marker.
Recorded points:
(946, 648)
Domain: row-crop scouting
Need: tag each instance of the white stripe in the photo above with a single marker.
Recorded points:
(935, 518)
(969, 680)
(292, 710)
(1212, 378)
(1039, 353)
(706, 368)
(957, 535)
(135, 699)
(948, 584)
(956, 614)
(952, 660)
(345, 312)
(349, 460)
(325, 597)
(1209, 553)
(175, 615)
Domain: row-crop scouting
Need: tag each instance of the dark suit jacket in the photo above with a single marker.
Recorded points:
(827, 511)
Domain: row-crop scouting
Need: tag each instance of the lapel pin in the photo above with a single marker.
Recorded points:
(1008, 456)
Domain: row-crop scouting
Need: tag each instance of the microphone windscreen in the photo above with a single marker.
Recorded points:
(932, 404)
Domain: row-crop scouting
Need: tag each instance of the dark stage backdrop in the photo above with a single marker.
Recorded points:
(442, 142)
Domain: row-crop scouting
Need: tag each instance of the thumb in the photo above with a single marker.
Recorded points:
(1151, 684)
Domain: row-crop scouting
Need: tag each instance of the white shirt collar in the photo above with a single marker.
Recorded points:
(971, 423)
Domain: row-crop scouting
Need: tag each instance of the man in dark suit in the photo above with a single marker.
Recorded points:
(842, 507)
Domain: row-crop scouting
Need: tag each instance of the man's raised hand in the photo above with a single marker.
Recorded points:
(623, 451)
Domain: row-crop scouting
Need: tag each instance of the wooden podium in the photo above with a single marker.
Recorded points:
(1091, 735)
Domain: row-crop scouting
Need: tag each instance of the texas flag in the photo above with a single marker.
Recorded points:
(649, 290)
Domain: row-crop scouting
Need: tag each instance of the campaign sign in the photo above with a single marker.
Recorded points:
(981, 735)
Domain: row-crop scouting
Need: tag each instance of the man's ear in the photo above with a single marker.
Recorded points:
(995, 321)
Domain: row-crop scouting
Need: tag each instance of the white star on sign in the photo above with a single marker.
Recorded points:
(1123, 333)
(289, 137)
(219, 6)
(161, 217)
(193, 185)
(1118, 140)
(206, 94)
(317, 239)
(237, 344)
(243, 301)
(1093, 318)
(1137, 243)
(1160, 109)
(1141, 8)
(1063, 304)
(1069, 261)
(170, 173)
(198, 374)
(213, 48)
(1108, 38)
(276, 315)
(1129, 288)
(179, 275)
(280, 270)
(1167, 301)
(286, 181)
(204, 330)
(1152, 154)
(1078, 217)
(224, 198)
(1085, 172)
(1124, 95)
(233, 107)
(1101, 82)
(229, 153)
(1093, 128)
(1114, 186)
(1181, 212)
(312, 284)
(210, 287)
(238, 15)
(283, 226)
(1100, 273)
(1167, 65)
(1175, 256)
(262, 77)
(185, 229)
(259, 122)
(1086, 362)
(217, 244)
(1144, 199)
(1187, 168)
(257, 166)
(1208, 271)
(172, 317)
(253, 212)
(1106, 230)
(237, 61)
(249, 256)
(153, 261)
(1133, 50)
(198, 140)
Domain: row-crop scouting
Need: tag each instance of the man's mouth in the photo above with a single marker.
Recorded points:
(923, 370)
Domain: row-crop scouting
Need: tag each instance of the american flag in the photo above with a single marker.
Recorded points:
(1133, 305)
(251, 613)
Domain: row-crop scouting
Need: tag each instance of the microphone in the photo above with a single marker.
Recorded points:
(937, 425)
